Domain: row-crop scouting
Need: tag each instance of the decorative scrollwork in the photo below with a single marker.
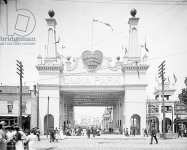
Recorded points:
(92, 60)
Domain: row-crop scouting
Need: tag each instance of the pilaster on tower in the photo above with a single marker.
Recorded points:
(51, 62)
(133, 49)
(51, 48)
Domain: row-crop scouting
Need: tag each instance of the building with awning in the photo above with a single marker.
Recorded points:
(9, 104)
(175, 111)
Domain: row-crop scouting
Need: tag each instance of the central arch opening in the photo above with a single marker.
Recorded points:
(102, 109)
(89, 115)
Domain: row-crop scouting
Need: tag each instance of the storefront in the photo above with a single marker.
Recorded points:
(13, 121)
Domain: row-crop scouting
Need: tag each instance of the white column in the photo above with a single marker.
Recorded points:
(61, 110)
(115, 116)
(133, 50)
(51, 49)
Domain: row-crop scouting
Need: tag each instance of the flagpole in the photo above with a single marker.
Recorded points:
(92, 32)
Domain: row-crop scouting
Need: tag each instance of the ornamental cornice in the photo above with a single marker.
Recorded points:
(49, 68)
(83, 87)
(135, 85)
(140, 67)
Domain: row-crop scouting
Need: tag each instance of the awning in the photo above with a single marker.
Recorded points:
(181, 120)
(14, 115)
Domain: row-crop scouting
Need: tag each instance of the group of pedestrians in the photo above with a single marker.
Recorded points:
(56, 135)
(153, 134)
(13, 138)
(126, 131)
(93, 131)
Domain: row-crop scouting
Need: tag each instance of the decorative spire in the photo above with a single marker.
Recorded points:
(51, 13)
(51, 48)
(133, 50)
(133, 12)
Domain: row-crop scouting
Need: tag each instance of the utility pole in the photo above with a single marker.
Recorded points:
(37, 106)
(161, 72)
(47, 116)
(20, 73)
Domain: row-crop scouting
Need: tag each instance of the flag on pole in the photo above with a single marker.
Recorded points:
(107, 24)
(125, 50)
(147, 50)
(122, 47)
(175, 78)
(137, 69)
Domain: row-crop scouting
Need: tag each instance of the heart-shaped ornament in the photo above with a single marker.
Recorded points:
(92, 60)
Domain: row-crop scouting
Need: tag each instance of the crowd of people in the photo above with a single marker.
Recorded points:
(14, 138)
(59, 134)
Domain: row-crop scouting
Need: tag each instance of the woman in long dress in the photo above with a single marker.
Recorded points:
(61, 135)
(19, 142)
(31, 139)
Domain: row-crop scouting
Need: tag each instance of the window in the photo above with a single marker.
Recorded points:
(10, 107)
(168, 109)
(153, 108)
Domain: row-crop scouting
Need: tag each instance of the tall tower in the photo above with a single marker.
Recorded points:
(50, 70)
(51, 49)
(133, 49)
(135, 82)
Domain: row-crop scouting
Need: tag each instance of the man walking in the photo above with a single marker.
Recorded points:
(145, 132)
(153, 135)
(38, 133)
(88, 132)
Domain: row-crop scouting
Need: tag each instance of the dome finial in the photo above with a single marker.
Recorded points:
(133, 12)
(51, 13)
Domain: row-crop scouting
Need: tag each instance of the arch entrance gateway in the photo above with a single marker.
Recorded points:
(93, 79)
(119, 88)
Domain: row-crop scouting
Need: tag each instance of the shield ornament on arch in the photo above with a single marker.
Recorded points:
(92, 59)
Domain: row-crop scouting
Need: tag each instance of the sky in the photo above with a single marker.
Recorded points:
(162, 25)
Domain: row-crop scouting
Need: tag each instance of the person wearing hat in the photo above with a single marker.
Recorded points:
(18, 138)
(10, 138)
(2, 138)
(31, 140)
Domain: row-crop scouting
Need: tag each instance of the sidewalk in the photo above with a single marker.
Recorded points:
(111, 142)
(104, 136)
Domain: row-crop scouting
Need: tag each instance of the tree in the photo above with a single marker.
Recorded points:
(183, 95)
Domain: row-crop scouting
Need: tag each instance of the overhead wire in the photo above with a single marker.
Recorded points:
(137, 2)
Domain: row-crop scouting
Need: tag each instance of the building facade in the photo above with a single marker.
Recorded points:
(175, 111)
(92, 79)
(107, 119)
(9, 106)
